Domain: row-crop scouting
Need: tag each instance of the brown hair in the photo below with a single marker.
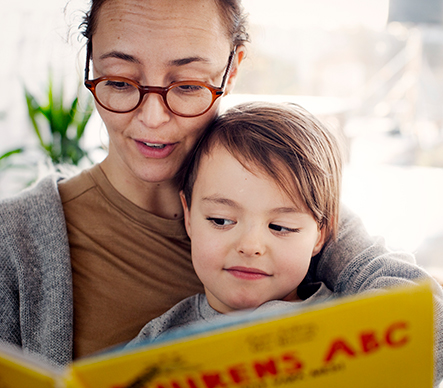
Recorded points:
(281, 140)
(231, 12)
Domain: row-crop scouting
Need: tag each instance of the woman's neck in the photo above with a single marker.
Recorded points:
(159, 198)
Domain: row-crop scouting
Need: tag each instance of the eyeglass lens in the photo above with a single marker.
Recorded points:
(186, 99)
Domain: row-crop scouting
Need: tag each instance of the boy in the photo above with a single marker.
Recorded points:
(260, 198)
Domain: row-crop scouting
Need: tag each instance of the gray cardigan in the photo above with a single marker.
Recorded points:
(36, 284)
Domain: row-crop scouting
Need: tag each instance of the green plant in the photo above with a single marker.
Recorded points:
(66, 125)
(4, 159)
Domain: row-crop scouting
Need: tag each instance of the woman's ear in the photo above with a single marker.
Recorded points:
(186, 212)
(320, 241)
(239, 55)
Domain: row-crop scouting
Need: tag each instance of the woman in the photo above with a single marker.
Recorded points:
(86, 261)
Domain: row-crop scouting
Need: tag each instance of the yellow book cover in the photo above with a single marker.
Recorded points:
(21, 371)
(381, 339)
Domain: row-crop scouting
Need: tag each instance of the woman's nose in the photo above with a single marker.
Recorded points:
(153, 111)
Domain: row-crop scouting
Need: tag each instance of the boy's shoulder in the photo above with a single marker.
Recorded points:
(192, 309)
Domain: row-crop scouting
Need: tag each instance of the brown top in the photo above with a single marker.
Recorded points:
(129, 266)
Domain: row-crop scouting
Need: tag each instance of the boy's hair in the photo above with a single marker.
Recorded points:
(281, 140)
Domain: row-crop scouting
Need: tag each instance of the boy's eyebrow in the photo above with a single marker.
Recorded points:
(221, 201)
(231, 203)
(287, 210)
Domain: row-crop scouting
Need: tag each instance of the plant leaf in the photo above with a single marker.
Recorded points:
(33, 110)
(85, 116)
(12, 152)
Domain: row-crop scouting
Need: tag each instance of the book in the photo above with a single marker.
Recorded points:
(379, 339)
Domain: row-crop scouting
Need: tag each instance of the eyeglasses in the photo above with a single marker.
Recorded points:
(184, 98)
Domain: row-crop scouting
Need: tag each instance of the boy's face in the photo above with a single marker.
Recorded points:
(251, 242)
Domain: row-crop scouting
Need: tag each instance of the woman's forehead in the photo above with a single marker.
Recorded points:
(193, 19)
(167, 29)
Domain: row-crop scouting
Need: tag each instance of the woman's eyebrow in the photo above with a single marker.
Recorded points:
(187, 60)
(120, 55)
(174, 62)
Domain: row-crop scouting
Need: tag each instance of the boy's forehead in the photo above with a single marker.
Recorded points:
(277, 170)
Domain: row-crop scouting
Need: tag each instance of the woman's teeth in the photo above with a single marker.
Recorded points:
(155, 145)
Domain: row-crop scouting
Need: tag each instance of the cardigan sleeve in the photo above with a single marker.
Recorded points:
(35, 273)
(353, 244)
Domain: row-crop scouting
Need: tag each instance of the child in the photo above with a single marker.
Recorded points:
(260, 198)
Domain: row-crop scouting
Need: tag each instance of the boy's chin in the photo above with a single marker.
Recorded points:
(246, 304)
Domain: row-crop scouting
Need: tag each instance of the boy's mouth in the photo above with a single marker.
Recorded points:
(247, 273)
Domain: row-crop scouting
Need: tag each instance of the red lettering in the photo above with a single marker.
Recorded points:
(268, 367)
(339, 345)
(238, 374)
(369, 342)
(213, 381)
(191, 383)
(294, 364)
(391, 336)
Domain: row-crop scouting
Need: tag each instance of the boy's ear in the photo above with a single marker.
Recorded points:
(239, 55)
(320, 241)
(186, 213)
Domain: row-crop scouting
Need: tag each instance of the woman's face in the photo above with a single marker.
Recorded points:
(156, 42)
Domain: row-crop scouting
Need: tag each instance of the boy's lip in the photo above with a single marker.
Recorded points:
(247, 273)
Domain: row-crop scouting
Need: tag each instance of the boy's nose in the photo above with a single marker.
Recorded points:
(251, 243)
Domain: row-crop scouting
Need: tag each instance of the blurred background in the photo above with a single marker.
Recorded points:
(371, 69)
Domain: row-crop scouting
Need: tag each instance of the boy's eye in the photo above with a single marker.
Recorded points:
(220, 222)
(282, 229)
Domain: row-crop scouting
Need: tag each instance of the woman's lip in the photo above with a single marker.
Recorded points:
(155, 150)
(247, 273)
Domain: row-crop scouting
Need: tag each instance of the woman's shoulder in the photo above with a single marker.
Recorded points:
(40, 201)
(44, 189)
(74, 186)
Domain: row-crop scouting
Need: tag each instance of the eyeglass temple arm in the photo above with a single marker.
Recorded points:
(228, 70)
(88, 59)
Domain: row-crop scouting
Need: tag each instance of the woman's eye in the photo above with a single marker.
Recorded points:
(220, 222)
(189, 88)
(282, 229)
(119, 85)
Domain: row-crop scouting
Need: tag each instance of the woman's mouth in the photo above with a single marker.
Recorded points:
(154, 150)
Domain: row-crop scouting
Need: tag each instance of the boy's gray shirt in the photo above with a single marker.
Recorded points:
(36, 307)
(196, 309)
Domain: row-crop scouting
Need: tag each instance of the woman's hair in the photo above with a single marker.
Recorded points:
(286, 143)
(231, 12)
